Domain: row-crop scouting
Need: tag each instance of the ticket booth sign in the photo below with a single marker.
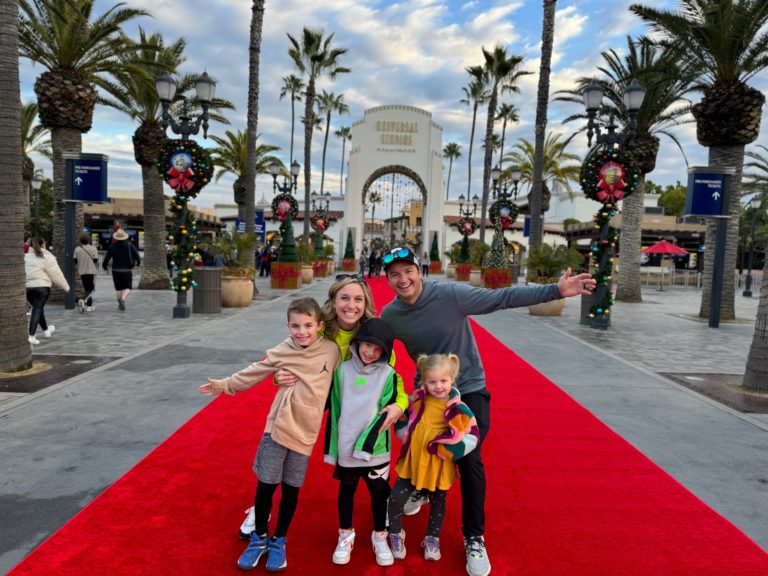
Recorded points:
(706, 190)
(87, 174)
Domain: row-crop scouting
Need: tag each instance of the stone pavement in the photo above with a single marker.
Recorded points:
(66, 443)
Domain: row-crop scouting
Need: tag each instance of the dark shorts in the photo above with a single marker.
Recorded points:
(123, 280)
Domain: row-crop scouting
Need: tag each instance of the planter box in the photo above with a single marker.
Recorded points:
(435, 267)
(494, 278)
(320, 269)
(551, 308)
(285, 275)
(476, 277)
(307, 274)
(236, 292)
(349, 265)
(450, 271)
(462, 272)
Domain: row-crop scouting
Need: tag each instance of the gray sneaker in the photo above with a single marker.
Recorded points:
(477, 558)
(414, 503)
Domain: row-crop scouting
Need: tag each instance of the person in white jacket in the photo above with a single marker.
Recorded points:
(42, 272)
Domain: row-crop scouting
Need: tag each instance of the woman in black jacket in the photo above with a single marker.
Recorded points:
(124, 257)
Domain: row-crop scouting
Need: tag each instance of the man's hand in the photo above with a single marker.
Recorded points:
(393, 412)
(575, 285)
(285, 378)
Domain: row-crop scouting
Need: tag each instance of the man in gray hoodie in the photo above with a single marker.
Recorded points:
(432, 318)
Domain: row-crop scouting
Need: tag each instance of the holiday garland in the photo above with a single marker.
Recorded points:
(187, 168)
(319, 222)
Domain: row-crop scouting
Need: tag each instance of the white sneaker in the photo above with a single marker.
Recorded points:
(90, 308)
(248, 525)
(81, 306)
(49, 332)
(34, 341)
(397, 544)
(343, 551)
(414, 503)
(431, 546)
(477, 557)
(381, 549)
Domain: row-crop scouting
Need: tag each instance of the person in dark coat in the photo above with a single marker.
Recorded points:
(124, 257)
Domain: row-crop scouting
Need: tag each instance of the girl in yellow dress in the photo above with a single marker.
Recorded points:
(439, 430)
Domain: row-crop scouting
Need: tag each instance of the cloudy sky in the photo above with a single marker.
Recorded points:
(412, 52)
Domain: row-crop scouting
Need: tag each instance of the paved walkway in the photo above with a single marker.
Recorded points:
(66, 443)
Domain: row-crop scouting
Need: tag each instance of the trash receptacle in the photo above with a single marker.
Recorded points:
(206, 296)
(515, 268)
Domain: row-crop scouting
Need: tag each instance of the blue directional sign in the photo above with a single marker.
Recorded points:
(260, 228)
(527, 226)
(705, 193)
(88, 177)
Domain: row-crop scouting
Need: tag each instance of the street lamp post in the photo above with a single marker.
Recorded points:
(320, 204)
(288, 187)
(610, 138)
(37, 183)
(755, 205)
(185, 126)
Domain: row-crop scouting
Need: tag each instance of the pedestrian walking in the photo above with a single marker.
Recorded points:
(124, 257)
(42, 271)
(86, 259)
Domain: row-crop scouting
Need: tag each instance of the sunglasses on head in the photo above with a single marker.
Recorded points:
(397, 253)
(359, 278)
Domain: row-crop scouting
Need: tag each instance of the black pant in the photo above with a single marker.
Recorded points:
(378, 488)
(37, 297)
(471, 469)
(89, 287)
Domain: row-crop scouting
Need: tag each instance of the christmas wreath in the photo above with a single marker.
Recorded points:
(607, 176)
(319, 222)
(504, 211)
(185, 166)
(284, 204)
(467, 226)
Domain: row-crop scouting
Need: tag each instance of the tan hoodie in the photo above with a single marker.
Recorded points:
(297, 411)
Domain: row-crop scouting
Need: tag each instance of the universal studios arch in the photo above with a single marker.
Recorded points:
(396, 140)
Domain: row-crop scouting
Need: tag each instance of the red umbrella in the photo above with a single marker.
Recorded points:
(664, 247)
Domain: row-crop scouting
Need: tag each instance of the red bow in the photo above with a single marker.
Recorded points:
(611, 182)
(181, 181)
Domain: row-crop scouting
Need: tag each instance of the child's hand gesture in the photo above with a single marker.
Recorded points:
(211, 388)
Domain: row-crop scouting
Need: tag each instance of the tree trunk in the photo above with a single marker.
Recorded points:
(309, 126)
(325, 148)
(257, 20)
(63, 140)
(542, 102)
(154, 275)
(629, 289)
(448, 184)
(728, 157)
(488, 156)
(15, 353)
(469, 170)
(756, 372)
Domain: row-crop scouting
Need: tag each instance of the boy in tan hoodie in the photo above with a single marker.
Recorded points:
(292, 427)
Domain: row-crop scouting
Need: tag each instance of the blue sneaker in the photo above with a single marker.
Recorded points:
(276, 557)
(256, 549)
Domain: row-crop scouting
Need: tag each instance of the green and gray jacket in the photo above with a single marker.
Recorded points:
(358, 394)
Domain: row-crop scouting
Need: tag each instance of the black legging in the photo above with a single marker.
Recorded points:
(379, 490)
(400, 493)
(89, 287)
(37, 297)
(263, 506)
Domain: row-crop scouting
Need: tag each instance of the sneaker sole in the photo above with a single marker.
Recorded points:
(478, 573)
(254, 565)
(412, 512)
(342, 561)
(279, 568)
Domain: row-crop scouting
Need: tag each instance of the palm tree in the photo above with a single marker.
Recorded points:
(15, 353)
(230, 156)
(523, 155)
(327, 103)
(757, 181)
(314, 57)
(475, 94)
(374, 198)
(505, 113)
(252, 120)
(501, 73)
(345, 133)
(452, 151)
(663, 107)
(535, 197)
(292, 85)
(34, 139)
(80, 52)
(725, 41)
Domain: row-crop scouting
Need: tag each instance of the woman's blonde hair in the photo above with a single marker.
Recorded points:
(448, 362)
(329, 308)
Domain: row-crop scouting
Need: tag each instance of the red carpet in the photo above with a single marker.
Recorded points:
(566, 496)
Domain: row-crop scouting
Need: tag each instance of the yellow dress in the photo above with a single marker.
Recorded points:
(422, 468)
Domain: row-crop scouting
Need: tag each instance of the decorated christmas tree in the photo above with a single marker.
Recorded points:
(349, 252)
